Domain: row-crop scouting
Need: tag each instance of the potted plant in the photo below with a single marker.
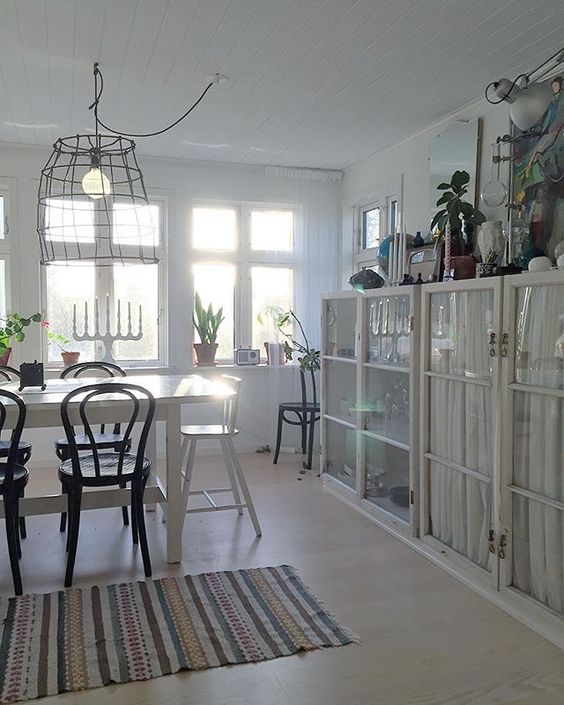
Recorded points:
(207, 324)
(308, 357)
(70, 357)
(12, 331)
(462, 215)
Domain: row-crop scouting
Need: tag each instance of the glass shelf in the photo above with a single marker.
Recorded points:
(340, 452)
(386, 405)
(387, 477)
(340, 328)
(389, 331)
(340, 391)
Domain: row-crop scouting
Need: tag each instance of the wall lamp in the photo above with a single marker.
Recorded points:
(529, 95)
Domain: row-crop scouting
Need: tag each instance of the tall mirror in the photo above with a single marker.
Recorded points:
(455, 148)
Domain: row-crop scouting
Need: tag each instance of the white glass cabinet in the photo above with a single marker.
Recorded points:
(476, 480)
(532, 519)
(460, 376)
(382, 360)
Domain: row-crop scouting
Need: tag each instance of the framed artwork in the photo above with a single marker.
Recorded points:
(538, 175)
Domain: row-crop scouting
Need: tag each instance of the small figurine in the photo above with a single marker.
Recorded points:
(419, 279)
(407, 280)
(366, 279)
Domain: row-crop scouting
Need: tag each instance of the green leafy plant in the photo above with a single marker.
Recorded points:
(455, 209)
(58, 339)
(308, 357)
(12, 329)
(206, 321)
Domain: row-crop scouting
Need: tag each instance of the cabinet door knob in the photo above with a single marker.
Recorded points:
(492, 345)
(504, 344)
(491, 541)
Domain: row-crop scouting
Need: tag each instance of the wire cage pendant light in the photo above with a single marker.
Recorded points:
(92, 205)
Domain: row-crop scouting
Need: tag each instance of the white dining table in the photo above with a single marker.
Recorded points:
(170, 392)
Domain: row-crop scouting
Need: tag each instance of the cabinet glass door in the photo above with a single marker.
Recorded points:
(460, 370)
(389, 330)
(533, 485)
(340, 328)
(386, 401)
(339, 452)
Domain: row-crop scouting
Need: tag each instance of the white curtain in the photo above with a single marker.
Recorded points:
(461, 424)
(316, 194)
(538, 447)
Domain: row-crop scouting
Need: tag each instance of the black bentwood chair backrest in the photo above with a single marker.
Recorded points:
(16, 433)
(9, 374)
(142, 410)
(12, 486)
(109, 368)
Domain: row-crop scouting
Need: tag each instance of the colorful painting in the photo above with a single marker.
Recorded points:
(538, 176)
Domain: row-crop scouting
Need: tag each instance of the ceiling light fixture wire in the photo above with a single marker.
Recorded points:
(92, 205)
(99, 89)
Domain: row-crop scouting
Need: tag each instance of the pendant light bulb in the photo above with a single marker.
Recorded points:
(96, 184)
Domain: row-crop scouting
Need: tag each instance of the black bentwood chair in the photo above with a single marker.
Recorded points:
(306, 414)
(10, 374)
(113, 440)
(13, 479)
(110, 468)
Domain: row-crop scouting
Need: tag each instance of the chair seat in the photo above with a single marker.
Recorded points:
(109, 463)
(102, 440)
(21, 475)
(298, 406)
(23, 447)
(208, 431)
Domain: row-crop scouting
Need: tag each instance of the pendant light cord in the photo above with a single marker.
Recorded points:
(98, 90)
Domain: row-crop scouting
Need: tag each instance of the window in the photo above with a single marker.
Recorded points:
(244, 260)
(371, 227)
(5, 198)
(88, 292)
(375, 222)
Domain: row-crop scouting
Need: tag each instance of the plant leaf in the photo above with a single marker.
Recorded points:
(445, 198)
(460, 178)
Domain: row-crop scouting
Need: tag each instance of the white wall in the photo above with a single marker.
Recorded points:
(182, 183)
(380, 175)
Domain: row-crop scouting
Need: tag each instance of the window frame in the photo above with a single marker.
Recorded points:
(365, 257)
(8, 193)
(104, 282)
(244, 258)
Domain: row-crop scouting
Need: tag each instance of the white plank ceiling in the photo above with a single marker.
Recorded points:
(318, 83)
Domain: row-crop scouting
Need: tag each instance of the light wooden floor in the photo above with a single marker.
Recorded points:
(426, 639)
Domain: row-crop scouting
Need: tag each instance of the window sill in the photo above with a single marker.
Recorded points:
(233, 366)
(54, 371)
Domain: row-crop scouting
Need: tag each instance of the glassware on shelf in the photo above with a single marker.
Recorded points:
(387, 406)
(389, 329)
(340, 336)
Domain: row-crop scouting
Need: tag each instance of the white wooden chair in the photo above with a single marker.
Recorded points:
(224, 433)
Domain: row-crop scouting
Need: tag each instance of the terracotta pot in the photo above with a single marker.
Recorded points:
(5, 357)
(70, 358)
(205, 353)
(275, 354)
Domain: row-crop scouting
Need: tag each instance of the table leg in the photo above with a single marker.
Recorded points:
(174, 505)
(151, 452)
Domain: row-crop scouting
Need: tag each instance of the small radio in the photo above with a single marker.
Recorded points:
(247, 356)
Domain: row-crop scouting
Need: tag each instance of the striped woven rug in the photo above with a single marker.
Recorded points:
(85, 638)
